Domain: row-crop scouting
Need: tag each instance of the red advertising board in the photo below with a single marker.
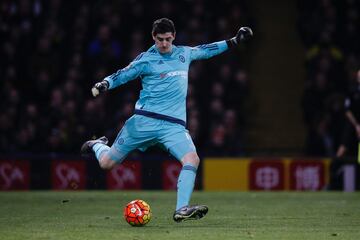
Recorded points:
(170, 173)
(68, 175)
(127, 175)
(266, 175)
(307, 175)
(14, 175)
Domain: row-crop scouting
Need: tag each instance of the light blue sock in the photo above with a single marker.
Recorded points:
(100, 149)
(185, 186)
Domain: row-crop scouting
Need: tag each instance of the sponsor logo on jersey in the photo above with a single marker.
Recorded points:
(174, 73)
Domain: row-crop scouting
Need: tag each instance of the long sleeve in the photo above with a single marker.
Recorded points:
(208, 50)
(131, 72)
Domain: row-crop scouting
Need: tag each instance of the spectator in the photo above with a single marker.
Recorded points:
(351, 136)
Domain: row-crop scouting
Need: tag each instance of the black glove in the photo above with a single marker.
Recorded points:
(99, 87)
(242, 35)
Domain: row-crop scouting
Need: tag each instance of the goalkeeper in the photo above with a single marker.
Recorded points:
(160, 112)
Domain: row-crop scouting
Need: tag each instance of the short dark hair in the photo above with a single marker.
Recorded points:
(163, 25)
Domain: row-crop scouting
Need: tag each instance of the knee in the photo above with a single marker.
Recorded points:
(106, 163)
(191, 159)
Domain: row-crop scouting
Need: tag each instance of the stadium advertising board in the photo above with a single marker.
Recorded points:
(125, 176)
(14, 175)
(68, 175)
(225, 174)
(307, 175)
(236, 174)
(265, 174)
(170, 173)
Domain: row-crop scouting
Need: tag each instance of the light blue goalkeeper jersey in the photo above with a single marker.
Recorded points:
(164, 78)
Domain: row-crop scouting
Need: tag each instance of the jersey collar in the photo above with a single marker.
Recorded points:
(173, 50)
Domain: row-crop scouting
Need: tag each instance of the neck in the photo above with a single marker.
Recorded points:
(168, 52)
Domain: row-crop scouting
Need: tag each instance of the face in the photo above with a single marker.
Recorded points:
(163, 41)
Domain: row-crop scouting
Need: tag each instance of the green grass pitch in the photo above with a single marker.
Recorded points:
(232, 215)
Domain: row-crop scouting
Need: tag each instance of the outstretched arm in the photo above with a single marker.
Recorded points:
(131, 72)
(209, 50)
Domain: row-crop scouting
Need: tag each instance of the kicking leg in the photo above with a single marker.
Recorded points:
(102, 152)
(129, 138)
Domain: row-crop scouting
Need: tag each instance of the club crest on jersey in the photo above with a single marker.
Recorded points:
(120, 141)
(182, 58)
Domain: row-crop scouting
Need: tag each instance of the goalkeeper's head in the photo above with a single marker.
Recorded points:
(163, 25)
(163, 33)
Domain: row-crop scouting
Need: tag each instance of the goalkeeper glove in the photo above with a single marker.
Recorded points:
(99, 87)
(242, 35)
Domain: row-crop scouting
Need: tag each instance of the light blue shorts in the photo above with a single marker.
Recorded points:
(141, 132)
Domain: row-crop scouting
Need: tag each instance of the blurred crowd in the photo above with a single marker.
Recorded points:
(330, 33)
(53, 51)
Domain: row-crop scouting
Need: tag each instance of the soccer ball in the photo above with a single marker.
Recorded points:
(137, 213)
